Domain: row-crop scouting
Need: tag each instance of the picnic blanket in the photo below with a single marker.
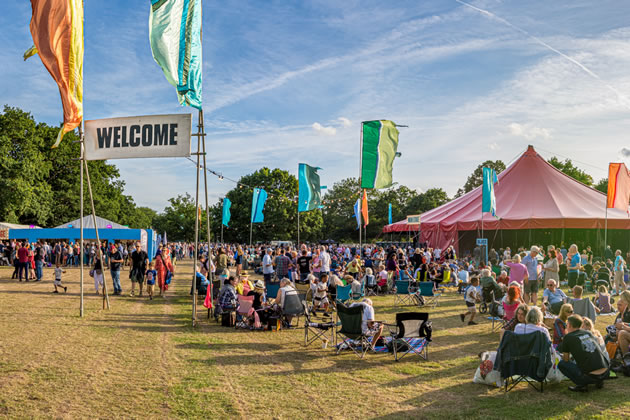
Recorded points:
(417, 344)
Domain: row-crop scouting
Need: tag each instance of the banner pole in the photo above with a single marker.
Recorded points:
(606, 230)
(194, 281)
(298, 232)
(98, 239)
(82, 246)
(222, 230)
(251, 224)
(205, 182)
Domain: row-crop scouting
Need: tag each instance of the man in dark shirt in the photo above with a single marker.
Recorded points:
(22, 255)
(115, 263)
(304, 266)
(139, 262)
(590, 366)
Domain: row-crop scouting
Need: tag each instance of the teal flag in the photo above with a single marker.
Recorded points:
(258, 205)
(226, 211)
(489, 203)
(175, 36)
(390, 213)
(309, 194)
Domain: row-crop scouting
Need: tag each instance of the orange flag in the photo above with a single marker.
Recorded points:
(57, 30)
(618, 187)
(364, 209)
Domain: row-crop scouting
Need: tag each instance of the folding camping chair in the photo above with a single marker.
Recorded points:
(292, 307)
(524, 357)
(245, 304)
(370, 285)
(426, 291)
(272, 290)
(360, 295)
(350, 330)
(343, 293)
(411, 334)
(323, 330)
(403, 296)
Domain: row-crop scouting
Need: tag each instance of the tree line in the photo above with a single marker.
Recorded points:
(40, 186)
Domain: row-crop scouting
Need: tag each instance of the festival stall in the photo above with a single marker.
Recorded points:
(535, 202)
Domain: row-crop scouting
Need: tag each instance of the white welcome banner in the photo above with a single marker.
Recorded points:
(149, 136)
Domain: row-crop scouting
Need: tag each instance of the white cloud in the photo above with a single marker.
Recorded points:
(529, 131)
(327, 131)
(344, 122)
(494, 146)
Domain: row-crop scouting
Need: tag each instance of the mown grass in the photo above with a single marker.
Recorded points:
(143, 359)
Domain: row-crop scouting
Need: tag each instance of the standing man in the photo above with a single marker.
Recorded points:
(22, 255)
(620, 286)
(591, 365)
(115, 263)
(304, 266)
(531, 285)
(324, 257)
(282, 265)
(139, 262)
(267, 266)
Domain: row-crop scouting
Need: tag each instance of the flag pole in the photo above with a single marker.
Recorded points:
(606, 229)
(194, 280)
(98, 239)
(205, 180)
(298, 227)
(360, 173)
(81, 251)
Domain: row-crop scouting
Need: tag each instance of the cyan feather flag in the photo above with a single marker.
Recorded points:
(489, 202)
(309, 194)
(175, 36)
(390, 214)
(258, 205)
(357, 212)
(226, 211)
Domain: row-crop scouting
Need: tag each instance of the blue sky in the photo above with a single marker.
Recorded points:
(289, 81)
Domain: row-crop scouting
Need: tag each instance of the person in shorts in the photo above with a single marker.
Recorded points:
(150, 277)
(472, 296)
(320, 295)
(369, 326)
(139, 262)
(58, 272)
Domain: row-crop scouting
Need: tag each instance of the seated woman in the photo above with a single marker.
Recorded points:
(520, 317)
(286, 289)
(622, 322)
(560, 324)
(587, 325)
(534, 322)
(369, 280)
(602, 300)
(259, 301)
(202, 284)
(511, 302)
(503, 278)
(228, 299)
(243, 286)
(553, 298)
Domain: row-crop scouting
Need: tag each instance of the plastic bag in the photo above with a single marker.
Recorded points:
(485, 373)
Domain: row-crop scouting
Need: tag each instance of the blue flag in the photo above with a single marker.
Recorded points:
(390, 214)
(309, 194)
(489, 202)
(258, 205)
(357, 212)
(226, 211)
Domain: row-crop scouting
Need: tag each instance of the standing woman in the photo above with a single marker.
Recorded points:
(39, 263)
(552, 268)
(31, 262)
(97, 271)
(162, 264)
(238, 260)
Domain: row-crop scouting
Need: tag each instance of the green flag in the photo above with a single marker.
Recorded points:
(379, 148)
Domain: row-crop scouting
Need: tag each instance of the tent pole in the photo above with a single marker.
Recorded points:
(194, 280)
(81, 140)
(98, 240)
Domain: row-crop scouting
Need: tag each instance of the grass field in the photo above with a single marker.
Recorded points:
(142, 359)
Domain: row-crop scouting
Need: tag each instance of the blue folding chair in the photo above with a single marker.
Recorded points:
(403, 297)
(426, 291)
(272, 290)
(344, 293)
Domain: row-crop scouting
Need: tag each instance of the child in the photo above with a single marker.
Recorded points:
(320, 297)
(58, 272)
(150, 276)
(382, 278)
(602, 301)
(472, 297)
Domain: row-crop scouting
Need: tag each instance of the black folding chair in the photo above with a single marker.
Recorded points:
(322, 329)
(410, 326)
(524, 358)
(350, 318)
(292, 308)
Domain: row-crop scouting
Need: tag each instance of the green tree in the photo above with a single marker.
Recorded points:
(476, 178)
(430, 199)
(178, 219)
(280, 210)
(567, 167)
(602, 185)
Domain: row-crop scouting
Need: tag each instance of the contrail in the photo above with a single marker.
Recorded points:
(622, 98)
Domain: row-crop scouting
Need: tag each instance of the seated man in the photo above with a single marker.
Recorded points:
(553, 298)
(583, 306)
(370, 327)
(488, 284)
(228, 299)
(590, 366)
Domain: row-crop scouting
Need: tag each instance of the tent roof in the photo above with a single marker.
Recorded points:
(88, 223)
(4, 225)
(531, 194)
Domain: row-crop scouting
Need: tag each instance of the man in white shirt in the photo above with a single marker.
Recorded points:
(324, 258)
(267, 266)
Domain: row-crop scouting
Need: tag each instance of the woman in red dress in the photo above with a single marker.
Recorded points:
(162, 264)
